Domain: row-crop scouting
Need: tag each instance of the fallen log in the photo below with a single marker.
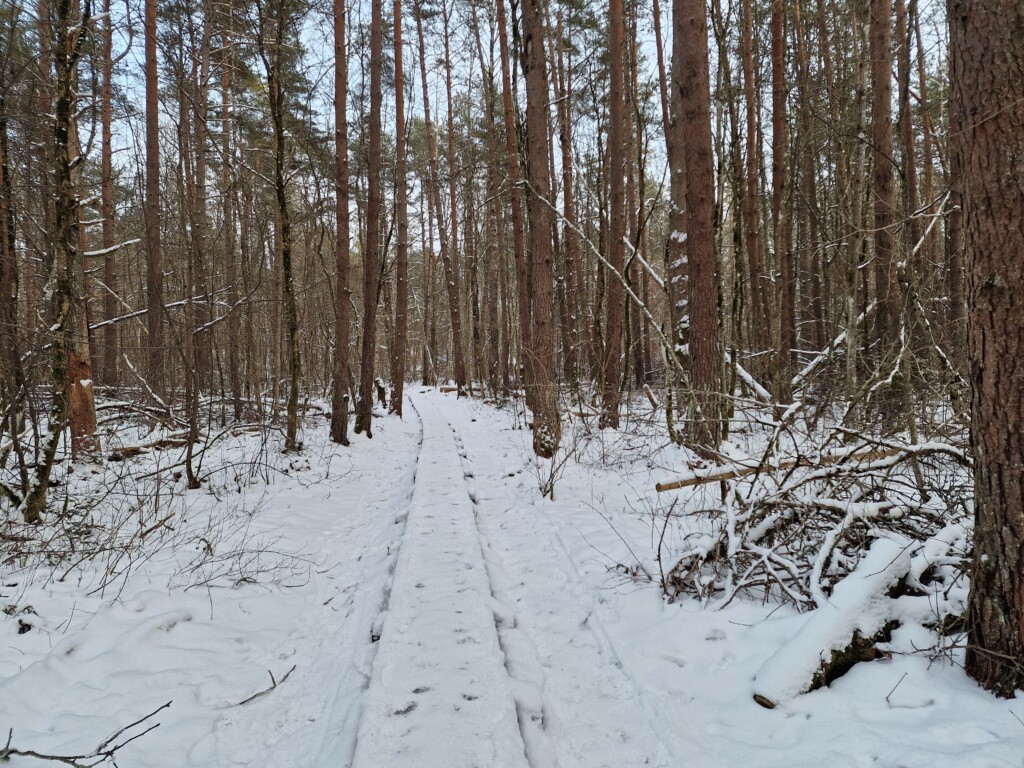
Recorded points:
(840, 633)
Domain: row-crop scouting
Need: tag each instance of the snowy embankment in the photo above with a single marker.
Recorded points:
(413, 601)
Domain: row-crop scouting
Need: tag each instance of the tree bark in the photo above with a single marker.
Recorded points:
(372, 255)
(154, 255)
(434, 190)
(110, 345)
(695, 102)
(611, 374)
(753, 237)
(516, 205)
(882, 178)
(453, 272)
(399, 353)
(780, 211)
(70, 367)
(342, 312)
(987, 79)
(272, 53)
(547, 431)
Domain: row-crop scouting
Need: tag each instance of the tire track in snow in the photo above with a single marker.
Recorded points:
(366, 610)
(595, 712)
(520, 655)
(439, 671)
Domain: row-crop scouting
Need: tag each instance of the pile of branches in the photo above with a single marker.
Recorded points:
(791, 529)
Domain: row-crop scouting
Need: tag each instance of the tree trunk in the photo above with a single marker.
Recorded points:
(342, 312)
(882, 179)
(611, 378)
(154, 257)
(695, 101)
(272, 52)
(752, 235)
(399, 353)
(453, 273)
(547, 430)
(110, 345)
(780, 211)
(372, 256)
(228, 197)
(987, 79)
(434, 190)
(70, 367)
(516, 204)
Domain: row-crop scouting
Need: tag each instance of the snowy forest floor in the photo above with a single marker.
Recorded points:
(414, 601)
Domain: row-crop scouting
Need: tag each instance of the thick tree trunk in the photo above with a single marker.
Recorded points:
(547, 430)
(573, 281)
(987, 79)
(453, 272)
(695, 101)
(70, 368)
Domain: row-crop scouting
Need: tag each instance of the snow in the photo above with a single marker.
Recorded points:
(414, 601)
(856, 605)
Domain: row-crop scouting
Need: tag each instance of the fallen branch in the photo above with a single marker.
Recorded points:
(105, 752)
(715, 474)
(273, 684)
(131, 451)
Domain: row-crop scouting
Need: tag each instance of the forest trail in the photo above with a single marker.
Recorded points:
(491, 638)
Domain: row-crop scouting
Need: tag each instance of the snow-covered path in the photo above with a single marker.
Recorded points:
(439, 695)
(491, 639)
(435, 612)
(577, 704)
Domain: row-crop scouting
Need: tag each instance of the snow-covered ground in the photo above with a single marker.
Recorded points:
(414, 601)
